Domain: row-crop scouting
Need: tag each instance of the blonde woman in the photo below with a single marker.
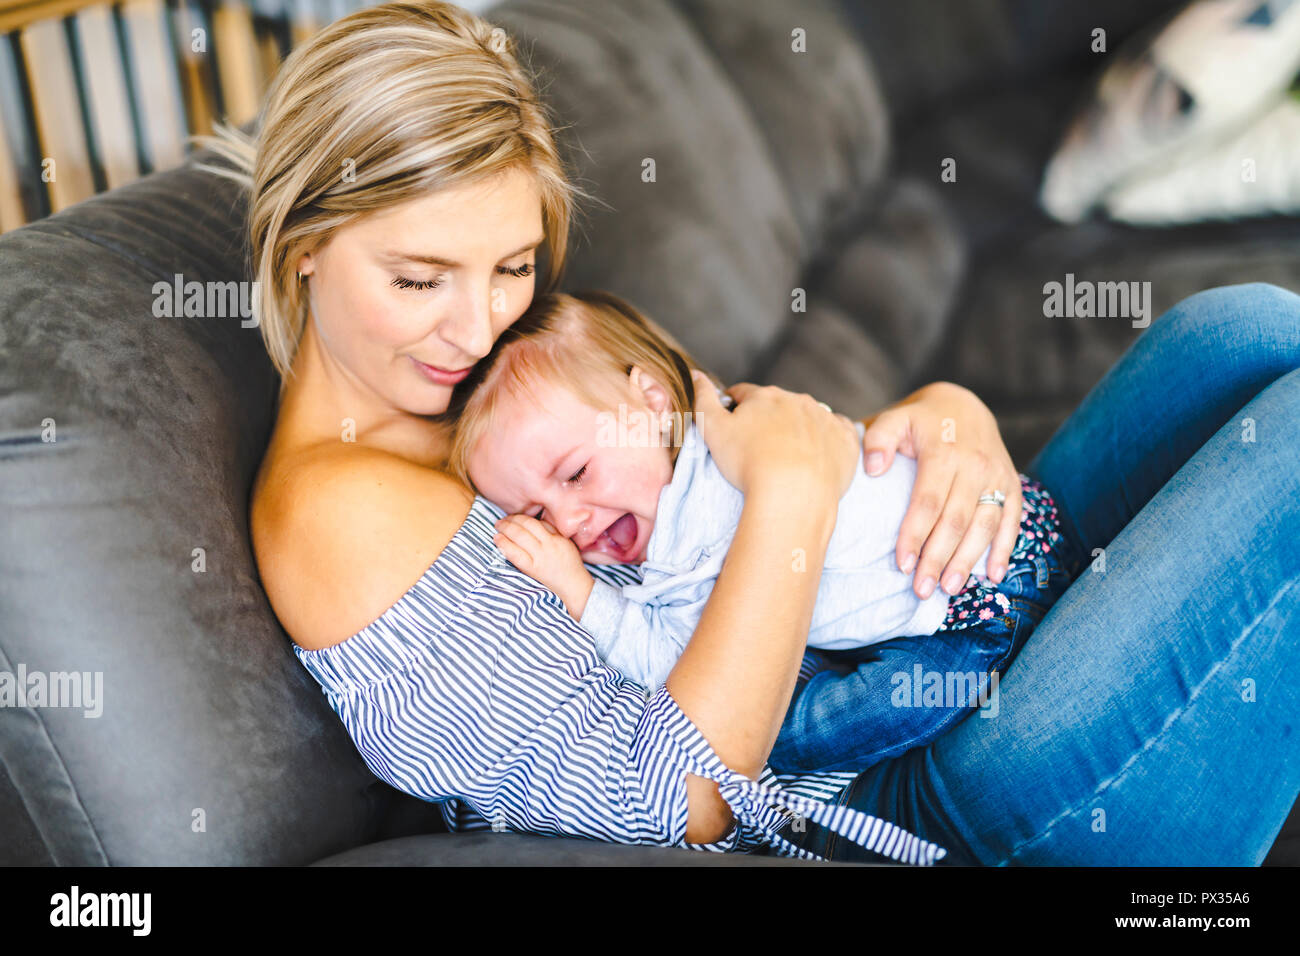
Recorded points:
(460, 679)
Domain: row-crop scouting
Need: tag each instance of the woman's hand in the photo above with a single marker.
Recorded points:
(959, 456)
(778, 439)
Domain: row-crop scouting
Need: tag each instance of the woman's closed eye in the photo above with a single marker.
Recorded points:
(402, 282)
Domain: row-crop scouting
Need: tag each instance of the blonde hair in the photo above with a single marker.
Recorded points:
(379, 108)
(587, 342)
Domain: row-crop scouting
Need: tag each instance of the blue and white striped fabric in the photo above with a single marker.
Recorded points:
(477, 690)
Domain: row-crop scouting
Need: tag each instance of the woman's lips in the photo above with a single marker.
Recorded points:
(439, 376)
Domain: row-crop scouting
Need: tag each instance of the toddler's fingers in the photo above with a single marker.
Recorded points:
(514, 554)
(519, 531)
(539, 529)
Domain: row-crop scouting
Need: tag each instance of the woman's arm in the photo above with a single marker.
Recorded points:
(793, 461)
(959, 456)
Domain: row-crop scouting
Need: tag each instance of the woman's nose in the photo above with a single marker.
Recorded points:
(471, 330)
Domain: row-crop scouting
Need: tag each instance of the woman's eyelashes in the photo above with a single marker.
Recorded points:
(402, 282)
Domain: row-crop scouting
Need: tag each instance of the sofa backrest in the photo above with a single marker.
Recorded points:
(759, 142)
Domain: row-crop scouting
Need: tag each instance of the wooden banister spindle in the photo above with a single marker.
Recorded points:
(65, 155)
(106, 94)
(238, 62)
(152, 56)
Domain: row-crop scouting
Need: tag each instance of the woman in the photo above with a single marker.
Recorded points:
(403, 182)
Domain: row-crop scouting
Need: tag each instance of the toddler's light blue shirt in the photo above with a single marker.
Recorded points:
(863, 598)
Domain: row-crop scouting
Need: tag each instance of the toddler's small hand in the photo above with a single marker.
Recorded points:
(548, 557)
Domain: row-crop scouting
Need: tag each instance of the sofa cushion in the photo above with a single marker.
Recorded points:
(829, 158)
(712, 247)
(827, 355)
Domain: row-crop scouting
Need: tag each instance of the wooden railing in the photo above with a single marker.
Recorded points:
(94, 94)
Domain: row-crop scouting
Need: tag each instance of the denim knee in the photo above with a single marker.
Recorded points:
(1269, 306)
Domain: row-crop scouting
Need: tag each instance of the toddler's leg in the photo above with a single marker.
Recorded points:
(882, 700)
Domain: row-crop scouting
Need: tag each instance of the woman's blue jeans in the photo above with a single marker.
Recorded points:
(1153, 716)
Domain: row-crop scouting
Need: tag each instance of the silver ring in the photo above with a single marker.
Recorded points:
(996, 498)
(827, 407)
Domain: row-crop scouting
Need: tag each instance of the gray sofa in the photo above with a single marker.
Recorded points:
(774, 171)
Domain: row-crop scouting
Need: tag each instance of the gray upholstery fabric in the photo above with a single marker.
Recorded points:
(474, 849)
(877, 306)
(710, 248)
(771, 176)
(829, 158)
(940, 56)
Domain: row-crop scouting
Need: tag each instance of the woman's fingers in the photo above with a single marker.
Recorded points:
(881, 439)
(965, 529)
(741, 390)
(929, 495)
(707, 405)
(782, 439)
(984, 521)
(1008, 531)
(943, 534)
(929, 522)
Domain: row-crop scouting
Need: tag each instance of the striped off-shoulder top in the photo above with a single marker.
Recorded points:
(478, 691)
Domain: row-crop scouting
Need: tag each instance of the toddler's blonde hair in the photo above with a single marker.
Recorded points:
(587, 342)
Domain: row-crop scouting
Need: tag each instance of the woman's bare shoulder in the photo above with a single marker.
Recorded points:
(341, 533)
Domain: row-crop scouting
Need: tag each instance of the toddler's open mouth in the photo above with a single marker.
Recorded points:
(619, 541)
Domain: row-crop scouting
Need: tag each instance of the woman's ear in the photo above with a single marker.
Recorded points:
(305, 264)
(648, 388)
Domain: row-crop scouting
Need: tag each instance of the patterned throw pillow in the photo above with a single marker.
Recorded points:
(1171, 123)
(1254, 173)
